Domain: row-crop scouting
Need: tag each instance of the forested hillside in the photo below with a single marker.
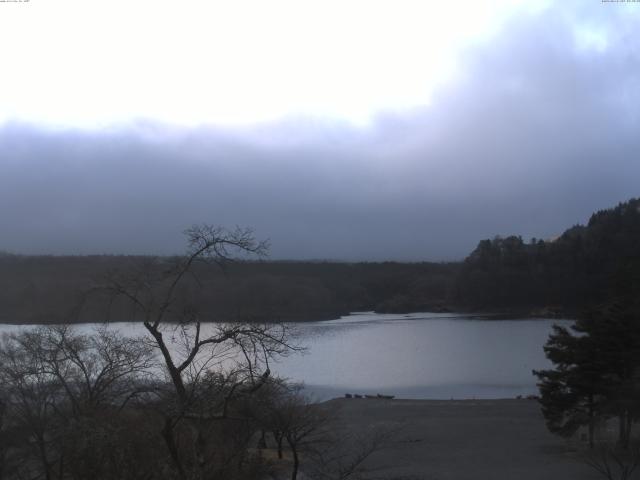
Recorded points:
(585, 266)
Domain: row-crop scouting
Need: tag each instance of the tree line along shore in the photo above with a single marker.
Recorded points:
(585, 266)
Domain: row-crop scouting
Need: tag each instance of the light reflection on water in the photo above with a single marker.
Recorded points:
(420, 355)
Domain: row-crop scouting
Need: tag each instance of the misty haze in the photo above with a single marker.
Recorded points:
(319, 240)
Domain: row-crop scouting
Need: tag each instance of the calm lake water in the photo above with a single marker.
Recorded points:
(420, 355)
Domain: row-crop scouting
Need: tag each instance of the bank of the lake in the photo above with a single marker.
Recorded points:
(462, 440)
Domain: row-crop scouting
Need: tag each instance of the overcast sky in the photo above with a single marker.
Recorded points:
(340, 130)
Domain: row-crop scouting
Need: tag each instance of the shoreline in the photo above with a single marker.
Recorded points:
(479, 315)
(500, 439)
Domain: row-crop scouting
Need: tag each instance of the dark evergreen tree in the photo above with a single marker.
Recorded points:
(596, 372)
(572, 393)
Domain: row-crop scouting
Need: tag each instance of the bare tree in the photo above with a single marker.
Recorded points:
(346, 456)
(105, 368)
(54, 379)
(239, 352)
(154, 293)
(317, 441)
(29, 397)
(290, 416)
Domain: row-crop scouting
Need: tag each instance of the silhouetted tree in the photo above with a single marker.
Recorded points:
(596, 374)
(240, 352)
(53, 381)
(571, 394)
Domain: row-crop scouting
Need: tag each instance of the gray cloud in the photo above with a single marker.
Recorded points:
(536, 133)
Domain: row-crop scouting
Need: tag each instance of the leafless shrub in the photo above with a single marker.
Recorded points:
(347, 454)
(613, 462)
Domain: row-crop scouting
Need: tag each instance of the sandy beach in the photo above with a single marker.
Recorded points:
(463, 440)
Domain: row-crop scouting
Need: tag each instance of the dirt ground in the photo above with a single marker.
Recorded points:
(464, 440)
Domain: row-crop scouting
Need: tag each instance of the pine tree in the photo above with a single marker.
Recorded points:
(596, 372)
(572, 394)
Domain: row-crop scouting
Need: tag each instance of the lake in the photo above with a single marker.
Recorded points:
(419, 355)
